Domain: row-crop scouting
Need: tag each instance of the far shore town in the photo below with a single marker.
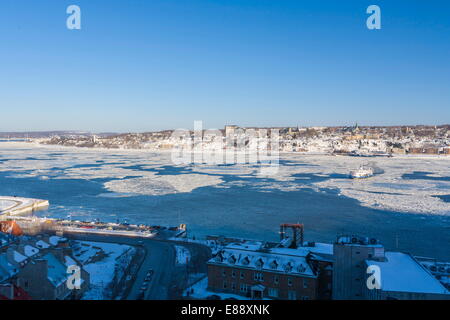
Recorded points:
(52, 259)
(351, 140)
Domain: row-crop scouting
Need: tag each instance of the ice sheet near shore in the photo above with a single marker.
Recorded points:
(143, 172)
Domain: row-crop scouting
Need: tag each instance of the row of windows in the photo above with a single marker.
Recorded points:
(244, 288)
(259, 276)
(271, 292)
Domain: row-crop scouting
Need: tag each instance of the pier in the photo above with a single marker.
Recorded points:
(11, 206)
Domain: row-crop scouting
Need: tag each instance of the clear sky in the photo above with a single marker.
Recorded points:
(160, 64)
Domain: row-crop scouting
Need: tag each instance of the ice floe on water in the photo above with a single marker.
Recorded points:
(241, 170)
(413, 184)
(389, 190)
(160, 185)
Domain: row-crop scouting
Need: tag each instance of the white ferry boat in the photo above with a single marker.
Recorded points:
(362, 172)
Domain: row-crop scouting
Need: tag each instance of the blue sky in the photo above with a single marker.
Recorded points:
(150, 65)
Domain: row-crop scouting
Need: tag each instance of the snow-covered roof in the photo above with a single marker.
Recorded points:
(56, 270)
(42, 244)
(7, 270)
(402, 273)
(18, 257)
(321, 248)
(54, 240)
(68, 261)
(247, 245)
(262, 260)
(30, 250)
(3, 242)
(5, 239)
(357, 241)
(318, 248)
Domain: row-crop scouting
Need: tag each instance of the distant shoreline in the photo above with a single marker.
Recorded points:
(21, 144)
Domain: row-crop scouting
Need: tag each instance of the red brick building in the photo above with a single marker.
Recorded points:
(257, 273)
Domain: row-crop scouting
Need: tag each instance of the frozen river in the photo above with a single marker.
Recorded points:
(406, 205)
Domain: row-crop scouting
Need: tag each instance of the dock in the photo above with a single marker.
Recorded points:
(12, 206)
(15, 209)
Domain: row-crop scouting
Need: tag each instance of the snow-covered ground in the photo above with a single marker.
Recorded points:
(102, 261)
(6, 204)
(199, 291)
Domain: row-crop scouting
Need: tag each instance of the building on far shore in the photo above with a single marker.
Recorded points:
(230, 131)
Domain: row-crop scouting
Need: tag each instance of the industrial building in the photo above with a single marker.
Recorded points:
(397, 275)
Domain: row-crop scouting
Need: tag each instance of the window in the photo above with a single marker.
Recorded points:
(305, 283)
(259, 263)
(242, 275)
(233, 286)
(276, 280)
(224, 284)
(233, 273)
(243, 287)
(259, 276)
(273, 292)
(292, 295)
(224, 272)
(290, 282)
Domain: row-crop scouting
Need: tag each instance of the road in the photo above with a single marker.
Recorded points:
(160, 256)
